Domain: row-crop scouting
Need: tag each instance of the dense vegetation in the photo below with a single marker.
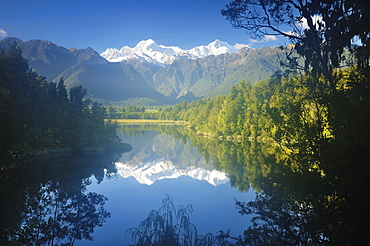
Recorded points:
(313, 171)
(313, 176)
(36, 115)
(132, 112)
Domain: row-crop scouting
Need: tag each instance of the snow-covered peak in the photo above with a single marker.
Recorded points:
(216, 48)
(148, 173)
(150, 51)
(149, 44)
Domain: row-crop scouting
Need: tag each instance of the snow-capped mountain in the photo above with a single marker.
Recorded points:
(149, 172)
(150, 51)
(215, 48)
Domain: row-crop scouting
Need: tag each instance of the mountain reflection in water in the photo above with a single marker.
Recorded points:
(157, 156)
(73, 200)
(93, 200)
(164, 160)
(149, 172)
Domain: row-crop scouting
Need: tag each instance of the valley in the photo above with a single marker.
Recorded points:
(151, 74)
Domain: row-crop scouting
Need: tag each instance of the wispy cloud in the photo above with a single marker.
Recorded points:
(291, 33)
(3, 33)
(266, 38)
(240, 46)
(315, 19)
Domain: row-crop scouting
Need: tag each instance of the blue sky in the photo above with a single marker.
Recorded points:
(113, 23)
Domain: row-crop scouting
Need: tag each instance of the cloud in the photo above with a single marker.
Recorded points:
(240, 46)
(3, 33)
(292, 34)
(266, 38)
(315, 19)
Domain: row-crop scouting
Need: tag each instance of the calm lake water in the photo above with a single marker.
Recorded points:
(94, 199)
(101, 196)
(160, 164)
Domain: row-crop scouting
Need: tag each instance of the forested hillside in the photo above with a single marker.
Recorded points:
(36, 115)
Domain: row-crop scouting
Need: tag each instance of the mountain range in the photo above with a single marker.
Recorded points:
(150, 51)
(161, 74)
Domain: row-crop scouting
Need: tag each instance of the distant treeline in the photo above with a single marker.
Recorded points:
(281, 105)
(36, 115)
(134, 112)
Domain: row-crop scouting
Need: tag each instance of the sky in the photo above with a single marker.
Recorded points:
(102, 24)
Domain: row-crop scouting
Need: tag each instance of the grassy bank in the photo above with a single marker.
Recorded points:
(147, 122)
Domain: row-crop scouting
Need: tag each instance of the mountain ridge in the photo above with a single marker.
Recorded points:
(149, 51)
(186, 78)
(102, 79)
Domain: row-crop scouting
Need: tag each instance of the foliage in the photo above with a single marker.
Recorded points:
(233, 116)
(320, 30)
(302, 148)
(132, 112)
(167, 226)
(36, 114)
(171, 226)
(319, 119)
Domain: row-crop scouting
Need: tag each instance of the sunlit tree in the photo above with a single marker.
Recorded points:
(320, 30)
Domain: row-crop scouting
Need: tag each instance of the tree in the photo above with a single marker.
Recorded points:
(318, 119)
(170, 227)
(160, 227)
(320, 30)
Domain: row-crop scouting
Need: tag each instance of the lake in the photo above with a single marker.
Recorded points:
(111, 193)
(160, 164)
(93, 199)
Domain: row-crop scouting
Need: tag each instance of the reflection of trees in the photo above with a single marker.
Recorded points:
(243, 162)
(54, 216)
(297, 204)
(301, 201)
(59, 212)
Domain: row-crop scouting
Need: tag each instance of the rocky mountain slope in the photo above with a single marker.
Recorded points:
(164, 74)
(210, 75)
(105, 80)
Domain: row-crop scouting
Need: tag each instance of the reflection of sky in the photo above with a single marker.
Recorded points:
(130, 202)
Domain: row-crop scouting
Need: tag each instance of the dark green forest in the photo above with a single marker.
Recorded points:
(43, 118)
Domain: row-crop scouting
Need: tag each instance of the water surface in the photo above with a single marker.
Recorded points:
(161, 164)
(94, 199)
